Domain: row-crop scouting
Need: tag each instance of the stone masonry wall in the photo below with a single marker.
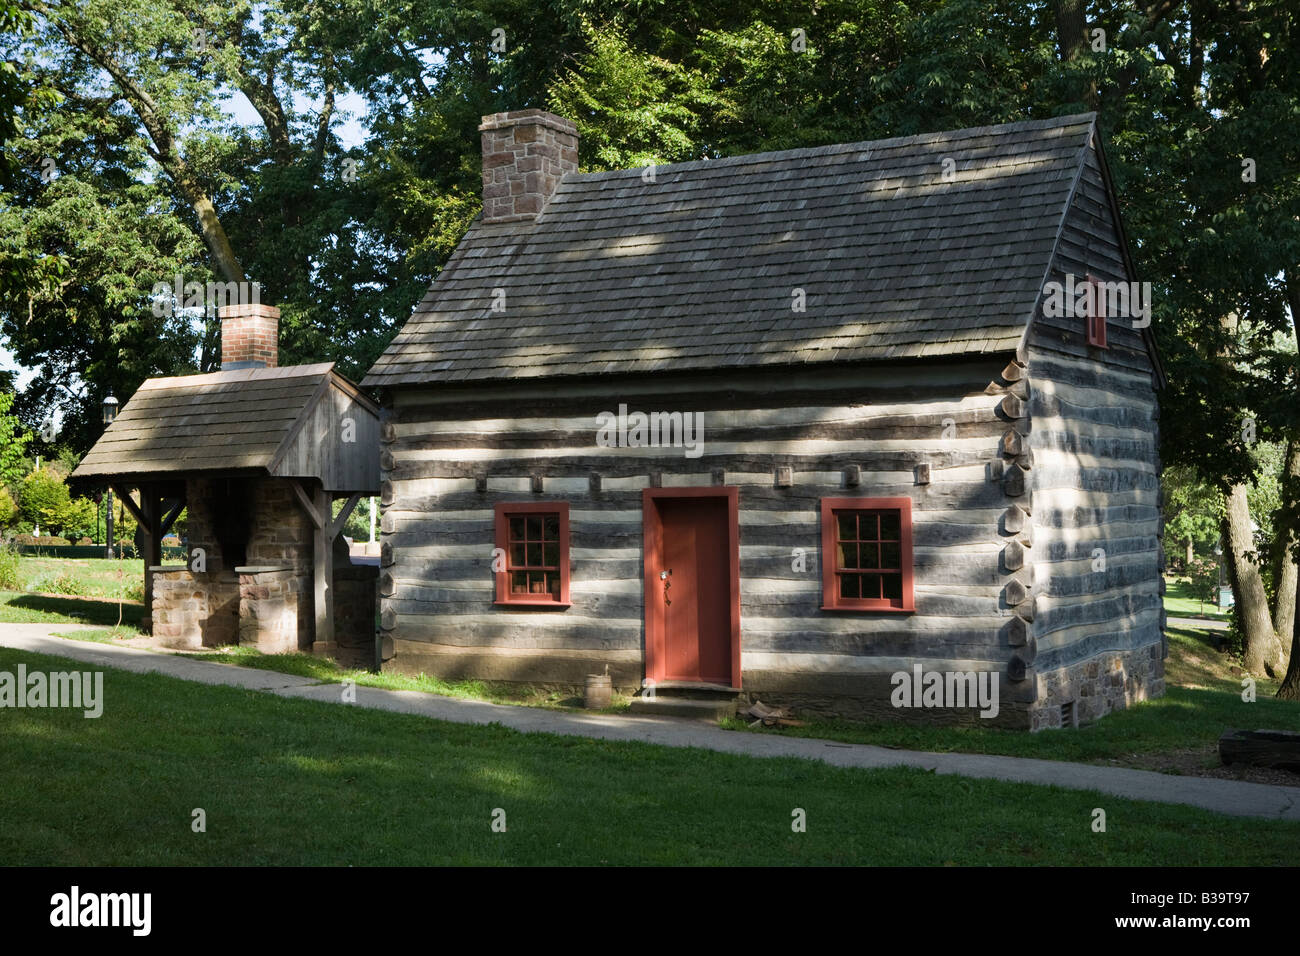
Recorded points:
(1107, 682)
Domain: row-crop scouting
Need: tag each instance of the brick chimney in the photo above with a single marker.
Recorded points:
(249, 336)
(525, 153)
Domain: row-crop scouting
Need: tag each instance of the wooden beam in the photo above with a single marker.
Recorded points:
(170, 518)
(130, 505)
(308, 505)
(341, 518)
(323, 575)
(150, 508)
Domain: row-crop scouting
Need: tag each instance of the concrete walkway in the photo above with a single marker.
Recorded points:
(1205, 623)
(1236, 798)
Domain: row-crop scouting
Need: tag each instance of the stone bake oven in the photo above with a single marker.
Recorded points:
(257, 455)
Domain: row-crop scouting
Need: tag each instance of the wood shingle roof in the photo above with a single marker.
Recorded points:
(240, 421)
(697, 267)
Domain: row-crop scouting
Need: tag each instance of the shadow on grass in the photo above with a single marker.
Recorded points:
(79, 610)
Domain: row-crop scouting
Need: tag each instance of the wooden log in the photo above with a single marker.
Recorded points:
(784, 477)
(1026, 609)
(386, 554)
(480, 483)
(593, 483)
(1013, 556)
(1013, 443)
(323, 571)
(388, 619)
(1029, 652)
(1015, 592)
(1279, 749)
(536, 483)
(1020, 389)
(386, 460)
(387, 432)
(1013, 406)
(1013, 372)
(852, 476)
(1013, 482)
(1017, 670)
(1017, 632)
(1013, 520)
(385, 494)
(923, 473)
(386, 585)
(719, 476)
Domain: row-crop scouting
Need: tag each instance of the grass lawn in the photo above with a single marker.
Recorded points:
(88, 577)
(17, 607)
(298, 782)
(1180, 602)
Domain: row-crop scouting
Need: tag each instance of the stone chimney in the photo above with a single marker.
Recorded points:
(249, 336)
(525, 153)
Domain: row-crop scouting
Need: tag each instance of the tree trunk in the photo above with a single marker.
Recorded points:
(1290, 689)
(1288, 575)
(1260, 645)
(1191, 555)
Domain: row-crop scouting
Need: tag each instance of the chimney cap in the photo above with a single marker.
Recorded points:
(248, 309)
(530, 117)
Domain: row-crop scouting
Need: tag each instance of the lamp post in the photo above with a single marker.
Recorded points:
(110, 414)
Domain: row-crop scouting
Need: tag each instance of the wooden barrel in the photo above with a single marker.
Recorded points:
(599, 691)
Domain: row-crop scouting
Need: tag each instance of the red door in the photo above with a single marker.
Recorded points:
(692, 586)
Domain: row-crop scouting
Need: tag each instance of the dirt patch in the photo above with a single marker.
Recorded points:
(1204, 762)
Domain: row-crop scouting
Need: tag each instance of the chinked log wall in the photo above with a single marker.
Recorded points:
(436, 584)
(1096, 487)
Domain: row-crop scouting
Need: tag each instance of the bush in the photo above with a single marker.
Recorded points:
(8, 510)
(44, 499)
(8, 569)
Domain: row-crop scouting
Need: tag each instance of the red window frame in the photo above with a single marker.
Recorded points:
(1096, 313)
(502, 513)
(831, 565)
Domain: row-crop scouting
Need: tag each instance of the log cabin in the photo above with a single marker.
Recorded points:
(794, 427)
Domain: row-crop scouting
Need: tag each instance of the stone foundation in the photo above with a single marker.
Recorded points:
(268, 609)
(1110, 681)
(195, 610)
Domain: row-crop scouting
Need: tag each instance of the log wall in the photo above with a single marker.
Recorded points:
(448, 456)
(1094, 577)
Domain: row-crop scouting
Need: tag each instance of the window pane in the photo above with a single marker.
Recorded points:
(517, 529)
(870, 555)
(871, 585)
(534, 527)
(848, 526)
(893, 586)
(537, 582)
(848, 555)
(891, 556)
(554, 585)
(519, 583)
(517, 556)
(869, 526)
(849, 587)
(552, 525)
(890, 526)
(551, 555)
(534, 555)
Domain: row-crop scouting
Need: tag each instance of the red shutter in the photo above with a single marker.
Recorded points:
(1096, 313)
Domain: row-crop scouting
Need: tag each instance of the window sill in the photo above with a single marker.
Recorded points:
(558, 605)
(882, 609)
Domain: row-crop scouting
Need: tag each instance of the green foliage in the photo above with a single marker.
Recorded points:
(8, 510)
(44, 500)
(9, 560)
(1204, 575)
(13, 443)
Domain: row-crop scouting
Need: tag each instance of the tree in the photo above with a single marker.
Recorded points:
(13, 443)
(44, 500)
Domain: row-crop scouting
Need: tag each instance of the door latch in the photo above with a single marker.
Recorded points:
(663, 576)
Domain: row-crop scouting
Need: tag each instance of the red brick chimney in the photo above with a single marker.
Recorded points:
(525, 153)
(249, 336)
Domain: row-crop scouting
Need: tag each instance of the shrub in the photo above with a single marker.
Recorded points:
(8, 569)
(63, 583)
(44, 499)
(8, 510)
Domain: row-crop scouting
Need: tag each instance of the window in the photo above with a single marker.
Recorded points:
(532, 564)
(1096, 313)
(867, 554)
